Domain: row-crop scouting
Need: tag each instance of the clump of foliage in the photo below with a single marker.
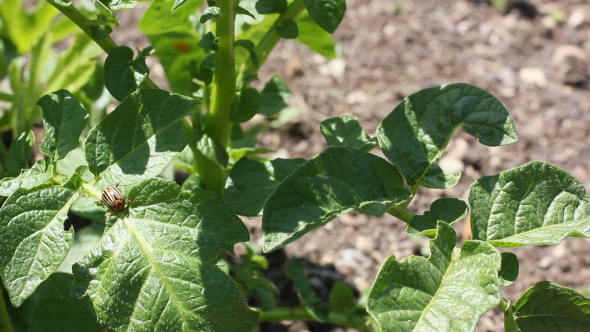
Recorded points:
(157, 263)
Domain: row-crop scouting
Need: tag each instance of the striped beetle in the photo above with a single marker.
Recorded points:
(113, 198)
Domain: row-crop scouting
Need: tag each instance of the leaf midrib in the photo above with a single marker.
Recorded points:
(147, 250)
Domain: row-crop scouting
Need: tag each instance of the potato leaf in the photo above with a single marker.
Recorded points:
(449, 291)
(533, 204)
(415, 134)
(336, 181)
(155, 270)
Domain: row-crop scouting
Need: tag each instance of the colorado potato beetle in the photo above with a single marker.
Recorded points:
(113, 198)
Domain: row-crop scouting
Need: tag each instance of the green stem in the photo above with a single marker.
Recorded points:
(212, 176)
(5, 324)
(223, 89)
(90, 189)
(71, 12)
(107, 44)
(269, 41)
(6, 97)
(504, 304)
(286, 313)
(401, 213)
(217, 125)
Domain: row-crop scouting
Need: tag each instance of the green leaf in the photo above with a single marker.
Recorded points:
(208, 42)
(139, 138)
(27, 179)
(244, 147)
(295, 271)
(122, 74)
(84, 241)
(271, 6)
(56, 287)
(346, 130)
(316, 38)
(62, 315)
(275, 96)
(25, 27)
(252, 182)
(209, 13)
(75, 158)
(120, 4)
(94, 88)
(85, 207)
(64, 119)
(449, 210)
(19, 153)
(178, 3)
(175, 41)
(322, 189)
(288, 29)
(193, 181)
(246, 44)
(509, 270)
(415, 134)
(76, 67)
(341, 298)
(105, 15)
(533, 204)
(509, 323)
(41, 54)
(550, 307)
(154, 191)
(36, 242)
(326, 13)
(447, 292)
(243, 11)
(206, 68)
(248, 104)
(253, 31)
(209, 149)
(155, 269)
(250, 276)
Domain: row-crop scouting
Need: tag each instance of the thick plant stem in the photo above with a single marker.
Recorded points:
(223, 90)
(282, 314)
(217, 125)
(204, 166)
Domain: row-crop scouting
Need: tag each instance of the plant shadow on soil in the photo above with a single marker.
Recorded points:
(322, 279)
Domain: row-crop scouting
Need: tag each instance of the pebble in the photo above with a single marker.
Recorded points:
(562, 52)
(578, 17)
(451, 164)
(351, 259)
(357, 97)
(533, 76)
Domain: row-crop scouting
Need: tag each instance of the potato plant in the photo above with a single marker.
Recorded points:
(156, 260)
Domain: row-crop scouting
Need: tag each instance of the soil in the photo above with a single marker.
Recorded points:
(535, 58)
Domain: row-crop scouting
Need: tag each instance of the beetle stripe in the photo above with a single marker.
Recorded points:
(111, 194)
